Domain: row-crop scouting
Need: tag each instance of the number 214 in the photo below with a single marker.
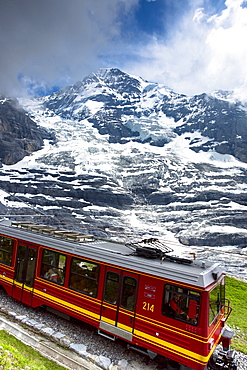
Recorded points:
(148, 307)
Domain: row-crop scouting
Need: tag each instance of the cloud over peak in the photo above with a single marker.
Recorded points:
(191, 46)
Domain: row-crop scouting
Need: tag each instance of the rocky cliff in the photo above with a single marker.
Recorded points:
(19, 134)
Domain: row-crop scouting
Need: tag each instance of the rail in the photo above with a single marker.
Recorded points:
(69, 360)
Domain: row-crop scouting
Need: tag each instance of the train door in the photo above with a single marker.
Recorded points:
(24, 273)
(119, 302)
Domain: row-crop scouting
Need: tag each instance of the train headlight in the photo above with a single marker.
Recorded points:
(210, 343)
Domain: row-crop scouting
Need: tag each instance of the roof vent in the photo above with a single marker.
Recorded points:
(153, 248)
(150, 248)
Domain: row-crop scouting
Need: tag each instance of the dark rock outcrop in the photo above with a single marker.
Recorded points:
(19, 134)
(222, 122)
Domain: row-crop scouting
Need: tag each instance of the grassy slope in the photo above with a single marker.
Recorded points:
(16, 355)
(236, 291)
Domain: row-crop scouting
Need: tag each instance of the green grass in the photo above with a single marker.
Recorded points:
(16, 355)
(236, 291)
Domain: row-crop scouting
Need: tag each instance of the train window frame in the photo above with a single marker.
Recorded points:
(187, 305)
(5, 252)
(128, 296)
(111, 287)
(88, 281)
(215, 305)
(53, 269)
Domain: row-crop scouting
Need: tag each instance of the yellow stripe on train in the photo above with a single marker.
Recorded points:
(70, 306)
(125, 327)
(6, 279)
(173, 347)
(107, 320)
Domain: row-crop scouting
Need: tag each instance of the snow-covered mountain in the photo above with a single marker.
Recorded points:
(133, 158)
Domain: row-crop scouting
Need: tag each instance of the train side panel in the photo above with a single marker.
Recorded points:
(68, 284)
(6, 278)
(183, 340)
(69, 302)
(7, 262)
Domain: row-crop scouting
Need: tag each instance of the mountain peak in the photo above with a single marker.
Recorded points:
(116, 79)
(104, 72)
(127, 108)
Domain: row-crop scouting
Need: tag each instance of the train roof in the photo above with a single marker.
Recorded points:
(197, 273)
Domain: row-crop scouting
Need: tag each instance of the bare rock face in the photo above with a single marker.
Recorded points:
(222, 122)
(19, 134)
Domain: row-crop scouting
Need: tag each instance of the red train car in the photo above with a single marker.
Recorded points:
(140, 293)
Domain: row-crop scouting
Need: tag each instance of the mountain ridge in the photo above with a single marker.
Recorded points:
(121, 96)
(134, 158)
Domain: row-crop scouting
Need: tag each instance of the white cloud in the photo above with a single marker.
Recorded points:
(227, 45)
(199, 15)
(52, 40)
(204, 54)
(62, 41)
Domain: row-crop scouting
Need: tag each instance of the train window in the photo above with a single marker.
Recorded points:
(53, 266)
(25, 265)
(30, 269)
(216, 299)
(111, 287)
(181, 304)
(128, 293)
(6, 249)
(20, 265)
(84, 276)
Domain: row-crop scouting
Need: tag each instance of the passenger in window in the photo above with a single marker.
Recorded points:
(175, 304)
(52, 274)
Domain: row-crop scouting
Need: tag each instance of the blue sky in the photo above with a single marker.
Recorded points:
(192, 46)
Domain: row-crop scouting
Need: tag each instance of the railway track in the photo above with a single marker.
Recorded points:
(46, 347)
